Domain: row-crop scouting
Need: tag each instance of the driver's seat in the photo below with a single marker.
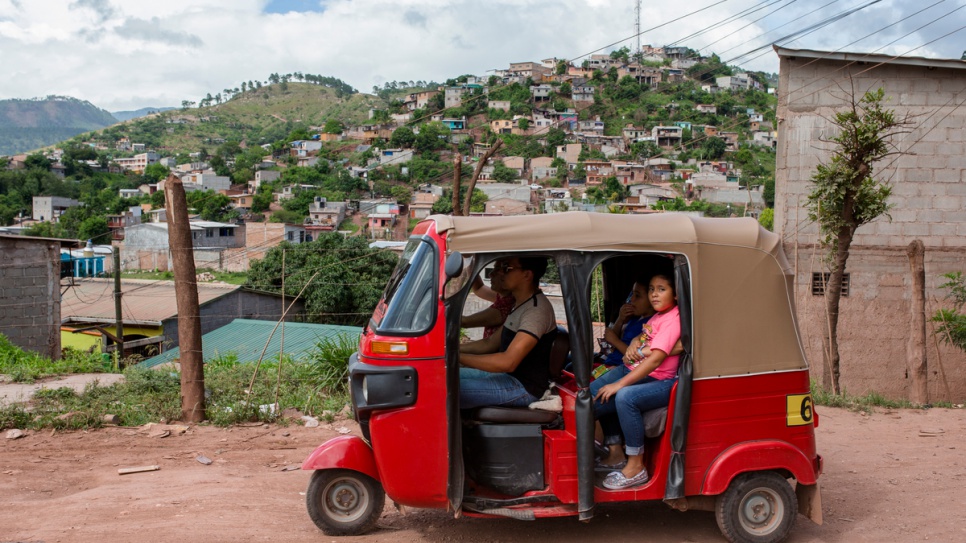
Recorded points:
(522, 415)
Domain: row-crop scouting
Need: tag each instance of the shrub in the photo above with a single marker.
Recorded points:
(951, 325)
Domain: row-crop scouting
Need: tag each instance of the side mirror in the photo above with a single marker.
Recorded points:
(454, 265)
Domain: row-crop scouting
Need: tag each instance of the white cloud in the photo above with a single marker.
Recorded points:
(125, 55)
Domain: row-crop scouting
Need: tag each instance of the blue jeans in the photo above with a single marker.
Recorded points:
(624, 412)
(479, 388)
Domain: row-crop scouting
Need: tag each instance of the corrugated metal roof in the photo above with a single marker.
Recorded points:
(213, 224)
(871, 58)
(246, 338)
(143, 302)
(63, 242)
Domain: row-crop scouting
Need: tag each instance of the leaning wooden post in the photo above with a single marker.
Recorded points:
(916, 344)
(457, 175)
(476, 175)
(186, 295)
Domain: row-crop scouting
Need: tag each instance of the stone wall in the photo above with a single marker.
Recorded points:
(30, 294)
(929, 199)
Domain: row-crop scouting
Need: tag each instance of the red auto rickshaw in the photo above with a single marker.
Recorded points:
(737, 438)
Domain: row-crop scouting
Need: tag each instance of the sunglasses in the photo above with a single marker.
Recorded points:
(505, 268)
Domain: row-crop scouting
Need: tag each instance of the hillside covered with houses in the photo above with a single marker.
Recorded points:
(302, 155)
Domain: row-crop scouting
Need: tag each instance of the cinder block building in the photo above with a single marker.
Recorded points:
(30, 292)
(50, 208)
(929, 198)
(146, 247)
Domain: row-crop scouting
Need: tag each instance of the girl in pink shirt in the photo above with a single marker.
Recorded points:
(643, 383)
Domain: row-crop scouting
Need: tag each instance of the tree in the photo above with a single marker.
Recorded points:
(444, 205)
(643, 150)
(156, 172)
(714, 148)
(40, 230)
(333, 126)
(621, 54)
(431, 136)
(402, 137)
(93, 228)
(211, 205)
(845, 195)
(767, 218)
(402, 194)
(342, 277)
(262, 199)
(768, 192)
(502, 173)
(555, 138)
(37, 160)
(157, 200)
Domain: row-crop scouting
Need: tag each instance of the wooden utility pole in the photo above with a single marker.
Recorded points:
(476, 174)
(186, 294)
(916, 344)
(118, 318)
(457, 174)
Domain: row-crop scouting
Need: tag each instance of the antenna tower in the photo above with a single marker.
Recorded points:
(637, 24)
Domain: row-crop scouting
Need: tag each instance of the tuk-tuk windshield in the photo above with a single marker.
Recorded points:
(411, 291)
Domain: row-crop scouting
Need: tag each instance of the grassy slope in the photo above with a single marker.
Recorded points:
(262, 116)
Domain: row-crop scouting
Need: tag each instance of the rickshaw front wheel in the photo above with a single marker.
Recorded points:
(344, 502)
(758, 507)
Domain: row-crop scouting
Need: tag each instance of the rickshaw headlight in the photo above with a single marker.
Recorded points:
(365, 389)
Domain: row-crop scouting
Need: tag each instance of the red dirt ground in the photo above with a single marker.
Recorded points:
(889, 476)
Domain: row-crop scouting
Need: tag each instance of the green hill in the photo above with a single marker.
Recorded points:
(259, 116)
(30, 124)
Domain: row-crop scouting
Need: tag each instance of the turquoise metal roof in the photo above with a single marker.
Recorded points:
(245, 338)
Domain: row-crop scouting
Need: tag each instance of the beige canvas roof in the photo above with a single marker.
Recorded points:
(743, 305)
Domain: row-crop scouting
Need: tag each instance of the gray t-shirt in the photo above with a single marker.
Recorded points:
(534, 317)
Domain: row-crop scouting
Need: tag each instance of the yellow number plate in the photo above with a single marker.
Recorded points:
(799, 409)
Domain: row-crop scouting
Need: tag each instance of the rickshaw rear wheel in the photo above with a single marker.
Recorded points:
(758, 507)
(344, 502)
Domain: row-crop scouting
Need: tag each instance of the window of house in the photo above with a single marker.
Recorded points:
(291, 236)
(209, 232)
(229, 232)
(819, 280)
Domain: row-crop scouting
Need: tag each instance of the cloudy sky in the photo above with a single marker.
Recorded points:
(133, 54)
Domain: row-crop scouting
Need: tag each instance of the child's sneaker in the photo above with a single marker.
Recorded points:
(617, 480)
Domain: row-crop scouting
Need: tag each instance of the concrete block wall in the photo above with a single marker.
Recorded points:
(30, 294)
(929, 179)
(261, 234)
(874, 324)
(929, 203)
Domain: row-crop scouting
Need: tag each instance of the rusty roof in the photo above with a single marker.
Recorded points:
(142, 302)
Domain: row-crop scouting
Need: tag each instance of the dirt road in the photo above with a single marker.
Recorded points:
(890, 476)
